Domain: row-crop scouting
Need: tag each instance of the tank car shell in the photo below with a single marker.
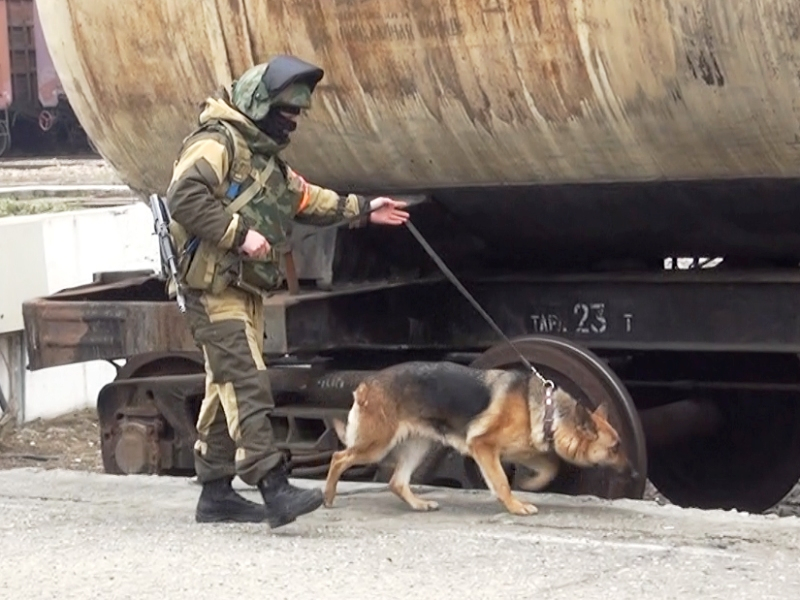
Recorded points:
(466, 92)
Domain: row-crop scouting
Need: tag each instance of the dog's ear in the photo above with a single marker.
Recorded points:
(601, 411)
(583, 421)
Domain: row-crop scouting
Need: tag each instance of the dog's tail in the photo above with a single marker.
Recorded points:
(546, 470)
(358, 400)
(340, 427)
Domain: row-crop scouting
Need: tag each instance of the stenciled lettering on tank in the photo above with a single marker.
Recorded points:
(396, 27)
(382, 43)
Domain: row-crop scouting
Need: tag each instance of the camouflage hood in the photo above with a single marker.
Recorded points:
(283, 81)
(221, 109)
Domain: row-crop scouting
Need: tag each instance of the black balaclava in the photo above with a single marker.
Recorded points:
(276, 126)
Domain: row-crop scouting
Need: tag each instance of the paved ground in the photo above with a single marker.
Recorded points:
(71, 534)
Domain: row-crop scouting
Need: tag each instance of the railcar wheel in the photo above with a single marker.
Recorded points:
(750, 462)
(5, 136)
(723, 429)
(151, 365)
(591, 382)
(584, 375)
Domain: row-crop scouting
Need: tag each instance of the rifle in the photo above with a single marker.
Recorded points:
(169, 264)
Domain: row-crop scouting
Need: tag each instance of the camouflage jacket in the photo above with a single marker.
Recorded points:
(210, 178)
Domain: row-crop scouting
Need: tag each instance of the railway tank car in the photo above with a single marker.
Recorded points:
(29, 88)
(481, 94)
(563, 150)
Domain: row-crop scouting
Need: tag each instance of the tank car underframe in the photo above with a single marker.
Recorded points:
(709, 360)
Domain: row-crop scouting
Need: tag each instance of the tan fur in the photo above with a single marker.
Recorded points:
(510, 429)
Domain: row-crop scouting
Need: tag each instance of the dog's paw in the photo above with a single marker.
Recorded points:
(523, 509)
(427, 505)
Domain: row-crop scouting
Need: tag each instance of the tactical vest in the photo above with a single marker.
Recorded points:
(257, 190)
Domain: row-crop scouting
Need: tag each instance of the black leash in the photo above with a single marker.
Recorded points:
(454, 280)
(548, 384)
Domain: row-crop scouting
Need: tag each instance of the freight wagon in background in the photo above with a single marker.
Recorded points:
(30, 89)
(566, 153)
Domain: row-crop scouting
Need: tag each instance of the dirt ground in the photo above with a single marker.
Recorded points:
(71, 442)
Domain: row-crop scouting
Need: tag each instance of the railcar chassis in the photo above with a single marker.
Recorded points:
(700, 368)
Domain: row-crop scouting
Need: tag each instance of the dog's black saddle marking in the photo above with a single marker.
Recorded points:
(445, 394)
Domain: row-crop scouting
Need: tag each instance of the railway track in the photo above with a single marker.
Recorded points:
(70, 170)
(46, 184)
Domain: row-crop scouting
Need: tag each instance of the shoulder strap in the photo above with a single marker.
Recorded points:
(237, 147)
(259, 180)
(241, 167)
(240, 163)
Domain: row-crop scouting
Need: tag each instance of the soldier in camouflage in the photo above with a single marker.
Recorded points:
(230, 198)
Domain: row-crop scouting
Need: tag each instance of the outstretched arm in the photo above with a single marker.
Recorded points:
(316, 205)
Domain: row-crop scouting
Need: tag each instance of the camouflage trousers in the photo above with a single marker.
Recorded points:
(234, 433)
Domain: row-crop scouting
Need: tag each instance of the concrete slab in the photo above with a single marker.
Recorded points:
(70, 534)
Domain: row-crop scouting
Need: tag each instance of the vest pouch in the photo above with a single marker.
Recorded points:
(262, 274)
(211, 269)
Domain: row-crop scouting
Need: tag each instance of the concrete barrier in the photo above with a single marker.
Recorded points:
(42, 254)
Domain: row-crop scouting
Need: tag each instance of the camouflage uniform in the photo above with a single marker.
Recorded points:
(228, 179)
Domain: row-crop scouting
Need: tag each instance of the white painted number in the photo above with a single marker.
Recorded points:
(591, 317)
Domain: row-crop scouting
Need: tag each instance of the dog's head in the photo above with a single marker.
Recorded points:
(586, 438)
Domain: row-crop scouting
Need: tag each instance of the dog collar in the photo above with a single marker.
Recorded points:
(549, 414)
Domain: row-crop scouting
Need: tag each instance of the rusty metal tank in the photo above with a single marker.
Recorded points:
(478, 100)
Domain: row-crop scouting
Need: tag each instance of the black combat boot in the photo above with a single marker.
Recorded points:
(219, 503)
(284, 501)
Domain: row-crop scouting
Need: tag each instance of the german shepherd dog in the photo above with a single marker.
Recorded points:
(489, 415)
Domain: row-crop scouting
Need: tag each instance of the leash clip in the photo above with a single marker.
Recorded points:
(549, 386)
